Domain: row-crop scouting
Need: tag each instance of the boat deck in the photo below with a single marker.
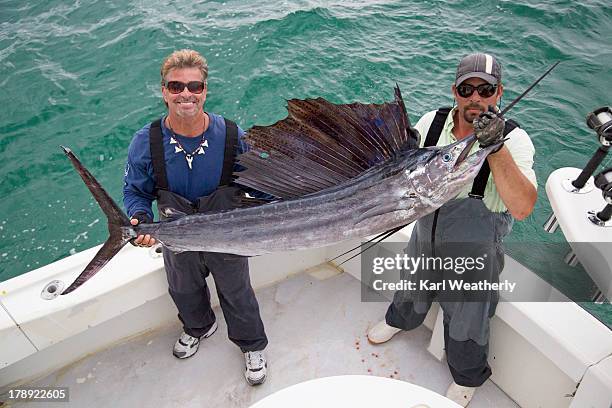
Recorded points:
(316, 325)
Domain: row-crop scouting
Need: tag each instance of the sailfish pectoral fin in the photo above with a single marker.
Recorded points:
(370, 243)
(386, 209)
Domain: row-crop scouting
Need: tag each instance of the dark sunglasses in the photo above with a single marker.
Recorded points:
(176, 87)
(484, 90)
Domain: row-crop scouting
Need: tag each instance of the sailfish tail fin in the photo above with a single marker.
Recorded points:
(119, 227)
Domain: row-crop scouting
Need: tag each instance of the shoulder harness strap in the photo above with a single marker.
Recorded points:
(435, 130)
(158, 159)
(480, 182)
(229, 156)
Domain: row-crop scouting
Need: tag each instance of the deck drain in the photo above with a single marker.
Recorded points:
(52, 290)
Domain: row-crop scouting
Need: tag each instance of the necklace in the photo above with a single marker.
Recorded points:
(188, 155)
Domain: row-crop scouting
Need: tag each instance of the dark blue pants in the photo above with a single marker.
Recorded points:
(467, 360)
(187, 274)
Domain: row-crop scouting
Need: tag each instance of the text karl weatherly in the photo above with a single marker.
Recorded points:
(450, 284)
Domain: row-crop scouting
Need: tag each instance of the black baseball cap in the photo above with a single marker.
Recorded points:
(479, 65)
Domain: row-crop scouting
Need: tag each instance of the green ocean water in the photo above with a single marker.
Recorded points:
(85, 74)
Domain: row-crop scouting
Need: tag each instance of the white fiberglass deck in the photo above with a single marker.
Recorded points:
(316, 328)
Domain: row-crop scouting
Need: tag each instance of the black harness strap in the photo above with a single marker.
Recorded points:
(158, 159)
(433, 135)
(157, 156)
(435, 130)
(229, 155)
(480, 182)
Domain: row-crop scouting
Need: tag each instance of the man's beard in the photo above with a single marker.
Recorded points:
(470, 116)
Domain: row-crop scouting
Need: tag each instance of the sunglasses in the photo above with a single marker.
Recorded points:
(484, 90)
(176, 87)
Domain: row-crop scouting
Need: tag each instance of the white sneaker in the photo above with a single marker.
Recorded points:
(382, 332)
(460, 394)
(186, 345)
(256, 367)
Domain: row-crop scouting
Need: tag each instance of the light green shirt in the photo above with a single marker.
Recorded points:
(519, 144)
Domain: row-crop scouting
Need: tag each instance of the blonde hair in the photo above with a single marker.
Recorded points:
(184, 59)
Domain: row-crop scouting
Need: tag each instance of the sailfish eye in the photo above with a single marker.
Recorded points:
(447, 157)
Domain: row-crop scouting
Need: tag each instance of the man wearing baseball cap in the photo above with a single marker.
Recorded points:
(478, 219)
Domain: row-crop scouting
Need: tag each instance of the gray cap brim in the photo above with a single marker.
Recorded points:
(482, 75)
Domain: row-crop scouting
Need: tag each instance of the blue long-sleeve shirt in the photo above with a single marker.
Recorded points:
(201, 180)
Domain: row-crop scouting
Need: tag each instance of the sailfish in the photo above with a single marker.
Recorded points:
(337, 171)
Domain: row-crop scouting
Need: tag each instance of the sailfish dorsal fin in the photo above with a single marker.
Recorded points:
(320, 144)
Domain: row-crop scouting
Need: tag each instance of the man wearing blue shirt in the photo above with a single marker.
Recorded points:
(185, 161)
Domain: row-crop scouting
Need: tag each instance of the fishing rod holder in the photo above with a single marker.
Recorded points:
(600, 120)
(603, 181)
(156, 251)
(52, 290)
